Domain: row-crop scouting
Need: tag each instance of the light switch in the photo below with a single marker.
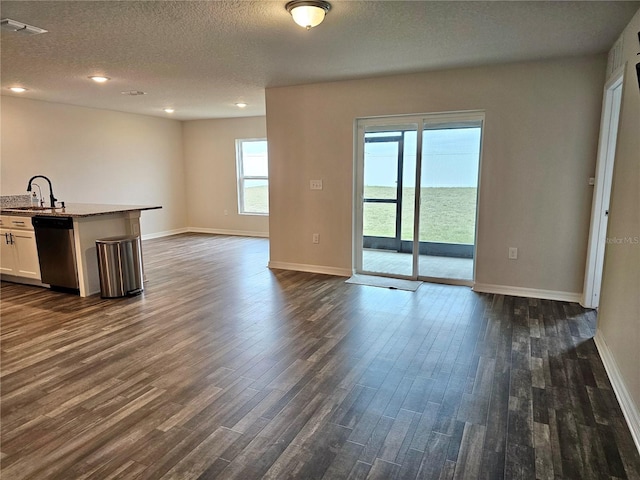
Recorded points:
(315, 184)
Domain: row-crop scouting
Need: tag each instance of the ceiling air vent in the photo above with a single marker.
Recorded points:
(133, 93)
(19, 27)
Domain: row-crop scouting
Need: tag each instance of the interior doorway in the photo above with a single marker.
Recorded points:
(416, 196)
(602, 190)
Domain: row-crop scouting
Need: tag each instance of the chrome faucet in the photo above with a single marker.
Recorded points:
(41, 202)
(52, 199)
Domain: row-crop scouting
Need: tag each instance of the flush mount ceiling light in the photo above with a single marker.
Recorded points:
(99, 78)
(18, 89)
(168, 110)
(241, 105)
(19, 27)
(308, 13)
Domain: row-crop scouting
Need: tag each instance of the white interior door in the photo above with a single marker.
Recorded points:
(602, 191)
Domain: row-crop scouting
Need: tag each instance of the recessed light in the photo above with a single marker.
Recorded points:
(99, 78)
(169, 110)
(18, 89)
(20, 28)
(241, 104)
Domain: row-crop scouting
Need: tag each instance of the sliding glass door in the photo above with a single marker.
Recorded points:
(387, 199)
(416, 196)
(449, 192)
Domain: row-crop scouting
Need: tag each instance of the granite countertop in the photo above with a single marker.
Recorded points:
(77, 210)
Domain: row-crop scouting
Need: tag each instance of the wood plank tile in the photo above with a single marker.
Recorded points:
(226, 369)
(202, 456)
(391, 450)
(383, 470)
(468, 462)
(542, 445)
(434, 457)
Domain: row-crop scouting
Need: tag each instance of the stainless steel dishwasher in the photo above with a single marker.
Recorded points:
(56, 251)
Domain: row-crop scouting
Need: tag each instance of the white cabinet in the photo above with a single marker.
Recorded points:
(24, 244)
(7, 255)
(18, 250)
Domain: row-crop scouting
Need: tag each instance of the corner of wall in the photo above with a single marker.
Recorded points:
(629, 408)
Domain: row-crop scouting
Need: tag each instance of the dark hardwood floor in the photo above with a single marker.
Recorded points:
(225, 369)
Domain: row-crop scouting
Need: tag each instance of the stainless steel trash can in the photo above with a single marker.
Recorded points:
(120, 266)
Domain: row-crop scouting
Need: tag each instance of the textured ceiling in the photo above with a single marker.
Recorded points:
(202, 57)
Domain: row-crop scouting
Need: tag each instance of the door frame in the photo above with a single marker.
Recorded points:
(396, 240)
(609, 122)
(401, 122)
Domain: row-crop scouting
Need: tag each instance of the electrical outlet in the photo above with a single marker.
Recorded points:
(513, 253)
(226, 212)
(315, 184)
(316, 238)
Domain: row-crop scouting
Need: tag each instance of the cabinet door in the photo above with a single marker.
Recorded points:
(27, 264)
(7, 253)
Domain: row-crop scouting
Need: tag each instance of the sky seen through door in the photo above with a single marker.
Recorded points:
(450, 158)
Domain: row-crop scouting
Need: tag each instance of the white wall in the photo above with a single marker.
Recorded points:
(540, 142)
(96, 156)
(212, 187)
(619, 312)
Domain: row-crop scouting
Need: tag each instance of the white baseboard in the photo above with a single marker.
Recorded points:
(629, 408)
(214, 231)
(23, 280)
(302, 267)
(528, 292)
(167, 233)
(221, 231)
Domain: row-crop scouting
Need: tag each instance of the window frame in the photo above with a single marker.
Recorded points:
(242, 178)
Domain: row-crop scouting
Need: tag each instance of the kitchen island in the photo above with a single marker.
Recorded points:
(90, 223)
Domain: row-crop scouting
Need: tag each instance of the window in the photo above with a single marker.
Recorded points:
(253, 176)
